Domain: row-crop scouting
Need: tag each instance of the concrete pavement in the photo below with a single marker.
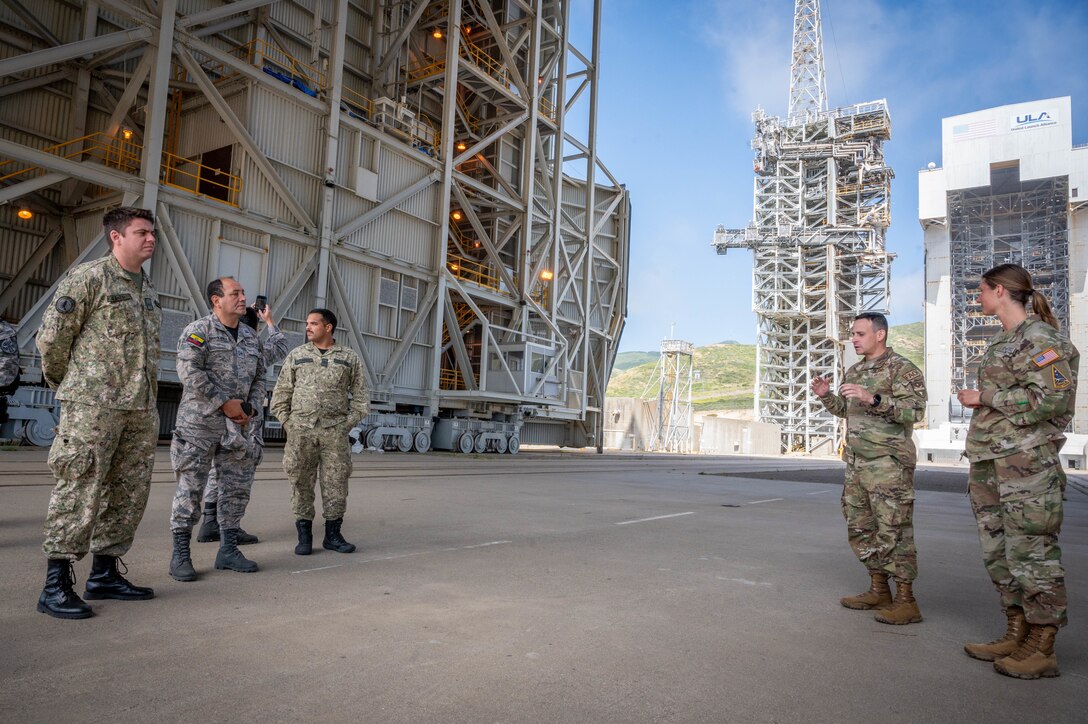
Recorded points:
(543, 587)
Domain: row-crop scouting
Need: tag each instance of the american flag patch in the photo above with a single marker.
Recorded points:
(1042, 360)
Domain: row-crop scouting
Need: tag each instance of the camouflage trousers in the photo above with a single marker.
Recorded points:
(1017, 502)
(878, 504)
(192, 457)
(102, 461)
(313, 451)
(211, 490)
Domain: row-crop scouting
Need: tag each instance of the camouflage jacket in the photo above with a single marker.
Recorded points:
(1027, 381)
(99, 339)
(9, 354)
(313, 388)
(887, 428)
(274, 347)
(216, 368)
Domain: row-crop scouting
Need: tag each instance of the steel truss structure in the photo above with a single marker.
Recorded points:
(428, 170)
(822, 206)
(1009, 222)
(673, 378)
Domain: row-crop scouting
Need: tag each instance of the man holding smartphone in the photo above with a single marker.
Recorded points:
(274, 349)
(221, 365)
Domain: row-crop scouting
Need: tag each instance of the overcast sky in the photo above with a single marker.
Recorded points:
(680, 80)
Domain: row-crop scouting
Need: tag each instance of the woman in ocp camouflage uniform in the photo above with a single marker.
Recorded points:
(1027, 383)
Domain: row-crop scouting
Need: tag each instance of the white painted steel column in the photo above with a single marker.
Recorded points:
(156, 117)
(449, 108)
(332, 145)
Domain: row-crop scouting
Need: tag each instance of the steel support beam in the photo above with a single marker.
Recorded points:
(62, 53)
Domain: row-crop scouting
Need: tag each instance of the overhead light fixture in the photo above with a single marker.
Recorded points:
(461, 145)
(456, 215)
(437, 34)
(547, 275)
(468, 30)
(126, 133)
(25, 214)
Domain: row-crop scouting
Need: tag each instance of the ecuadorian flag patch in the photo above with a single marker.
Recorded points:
(196, 340)
(1042, 360)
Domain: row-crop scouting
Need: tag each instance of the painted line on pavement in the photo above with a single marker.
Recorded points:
(768, 500)
(656, 517)
(821, 492)
(403, 555)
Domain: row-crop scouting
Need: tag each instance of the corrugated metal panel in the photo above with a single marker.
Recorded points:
(195, 233)
(203, 130)
(284, 261)
(298, 19)
(414, 371)
(400, 237)
(287, 131)
(238, 235)
(64, 20)
(543, 433)
(260, 196)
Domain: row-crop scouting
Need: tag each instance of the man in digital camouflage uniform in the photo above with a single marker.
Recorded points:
(99, 342)
(9, 367)
(320, 395)
(221, 365)
(882, 396)
(274, 349)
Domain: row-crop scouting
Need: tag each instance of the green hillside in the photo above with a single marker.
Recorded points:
(727, 371)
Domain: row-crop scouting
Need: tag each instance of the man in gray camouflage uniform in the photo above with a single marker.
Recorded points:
(99, 342)
(9, 367)
(220, 363)
(882, 397)
(274, 350)
(320, 394)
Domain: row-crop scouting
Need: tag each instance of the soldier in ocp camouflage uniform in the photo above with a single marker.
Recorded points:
(220, 363)
(1027, 382)
(320, 394)
(99, 342)
(882, 397)
(273, 350)
(9, 367)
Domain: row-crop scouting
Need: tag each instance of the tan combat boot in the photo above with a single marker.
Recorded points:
(904, 609)
(1035, 656)
(878, 595)
(1015, 634)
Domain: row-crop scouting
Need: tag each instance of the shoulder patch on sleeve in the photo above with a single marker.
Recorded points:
(914, 375)
(65, 305)
(1042, 360)
(1061, 382)
(196, 340)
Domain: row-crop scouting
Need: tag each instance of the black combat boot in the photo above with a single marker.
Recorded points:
(58, 599)
(209, 529)
(305, 530)
(333, 540)
(106, 582)
(244, 538)
(229, 557)
(181, 563)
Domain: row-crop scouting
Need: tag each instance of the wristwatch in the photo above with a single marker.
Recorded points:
(876, 401)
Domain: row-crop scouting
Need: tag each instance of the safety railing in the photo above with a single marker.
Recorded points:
(112, 151)
(284, 66)
(473, 272)
(451, 379)
(125, 155)
(196, 178)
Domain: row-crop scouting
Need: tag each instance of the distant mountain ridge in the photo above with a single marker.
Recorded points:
(727, 370)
